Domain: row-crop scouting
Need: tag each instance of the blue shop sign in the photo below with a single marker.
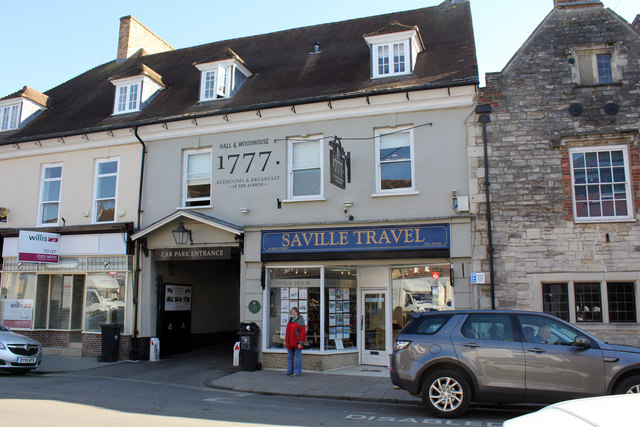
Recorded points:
(414, 237)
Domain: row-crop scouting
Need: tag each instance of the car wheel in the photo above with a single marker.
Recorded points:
(446, 394)
(629, 385)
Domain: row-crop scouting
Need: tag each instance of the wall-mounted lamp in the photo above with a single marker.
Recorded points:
(182, 235)
(348, 204)
(244, 210)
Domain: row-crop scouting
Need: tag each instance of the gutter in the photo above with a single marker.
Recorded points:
(135, 348)
(253, 107)
(483, 110)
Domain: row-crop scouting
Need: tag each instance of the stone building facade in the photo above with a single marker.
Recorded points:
(564, 173)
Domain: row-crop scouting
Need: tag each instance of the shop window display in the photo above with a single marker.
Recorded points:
(340, 287)
(294, 287)
(332, 288)
(420, 288)
(59, 301)
(104, 301)
(17, 300)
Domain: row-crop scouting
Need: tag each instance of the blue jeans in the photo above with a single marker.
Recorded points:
(294, 361)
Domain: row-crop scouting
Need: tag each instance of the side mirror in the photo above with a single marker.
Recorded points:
(582, 342)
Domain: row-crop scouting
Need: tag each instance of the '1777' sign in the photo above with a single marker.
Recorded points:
(340, 163)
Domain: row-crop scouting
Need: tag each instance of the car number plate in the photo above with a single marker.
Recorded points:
(26, 360)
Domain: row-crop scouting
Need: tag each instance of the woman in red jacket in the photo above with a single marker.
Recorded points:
(294, 341)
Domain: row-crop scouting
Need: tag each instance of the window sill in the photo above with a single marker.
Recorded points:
(191, 208)
(122, 113)
(599, 221)
(390, 194)
(311, 199)
(578, 85)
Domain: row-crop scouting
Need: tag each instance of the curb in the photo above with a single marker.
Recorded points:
(311, 396)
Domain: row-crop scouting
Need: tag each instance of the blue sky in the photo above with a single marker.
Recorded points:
(49, 42)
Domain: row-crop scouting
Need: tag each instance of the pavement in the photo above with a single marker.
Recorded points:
(362, 383)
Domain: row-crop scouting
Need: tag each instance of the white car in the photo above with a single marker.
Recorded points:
(605, 411)
(18, 354)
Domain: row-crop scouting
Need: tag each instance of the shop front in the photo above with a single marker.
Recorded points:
(62, 300)
(355, 286)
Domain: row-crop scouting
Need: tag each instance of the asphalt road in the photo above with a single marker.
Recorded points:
(173, 393)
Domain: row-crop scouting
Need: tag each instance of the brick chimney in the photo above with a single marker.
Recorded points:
(575, 3)
(134, 36)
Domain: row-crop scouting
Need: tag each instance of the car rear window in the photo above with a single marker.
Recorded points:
(426, 325)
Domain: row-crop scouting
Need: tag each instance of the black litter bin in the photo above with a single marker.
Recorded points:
(248, 333)
(110, 342)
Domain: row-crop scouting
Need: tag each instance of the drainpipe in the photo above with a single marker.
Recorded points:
(136, 277)
(483, 111)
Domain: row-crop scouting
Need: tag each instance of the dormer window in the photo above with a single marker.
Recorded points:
(10, 116)
(391, 58)
(128, 98)
(135, 89)
(221, 78)
(394, 50)
(18, 109)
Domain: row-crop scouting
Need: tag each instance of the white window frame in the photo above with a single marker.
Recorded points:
(41, 202)
(290, 169)
(95, 189)
(628, 183)
(391, 48)
(387, 131)
(411, 42)
(125, 88)
(224, 78)
(185, 180)
(10, 116)
(222, 81)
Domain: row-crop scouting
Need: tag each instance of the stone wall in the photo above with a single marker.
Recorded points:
(531, 131)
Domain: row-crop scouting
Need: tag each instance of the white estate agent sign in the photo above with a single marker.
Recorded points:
(35, 246)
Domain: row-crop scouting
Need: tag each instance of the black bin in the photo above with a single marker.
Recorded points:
(110, 342)
(248, 333)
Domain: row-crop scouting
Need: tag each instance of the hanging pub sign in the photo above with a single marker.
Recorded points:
(3, 214)
(35, 246)
(340, 164)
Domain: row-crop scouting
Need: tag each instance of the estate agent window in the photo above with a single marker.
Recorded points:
(197, 178)
(35, 301)
(394, 158)
(601, 184)
(326, 298)
(50, 194)
(305, 168)
(104, 300)
(106, 185)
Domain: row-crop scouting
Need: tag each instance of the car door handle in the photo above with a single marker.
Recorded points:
(537, 350)
(471, 344)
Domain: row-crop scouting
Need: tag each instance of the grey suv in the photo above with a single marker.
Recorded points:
(452, 358)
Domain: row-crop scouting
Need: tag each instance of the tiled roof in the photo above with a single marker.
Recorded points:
(284, 73)
(29, 93)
